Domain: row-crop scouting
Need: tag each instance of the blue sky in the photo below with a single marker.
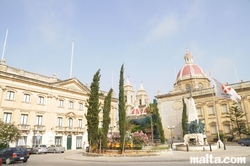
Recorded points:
(149, 37)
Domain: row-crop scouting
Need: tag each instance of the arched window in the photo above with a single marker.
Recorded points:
(70, 122)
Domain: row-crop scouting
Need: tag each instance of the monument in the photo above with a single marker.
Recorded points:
(195, 128)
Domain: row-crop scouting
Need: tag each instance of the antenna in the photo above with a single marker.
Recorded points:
(236, 73)
(72, 53)
(4, 45)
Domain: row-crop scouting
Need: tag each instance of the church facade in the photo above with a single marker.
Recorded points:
(136, 103)
(191, 81)
(47, 110)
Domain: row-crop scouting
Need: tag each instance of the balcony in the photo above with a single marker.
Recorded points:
(70, 129)
(39, 128)
(80, 129)
(24, 127)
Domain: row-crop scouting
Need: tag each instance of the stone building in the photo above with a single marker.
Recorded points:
(136, 103)
(47, 110)
(191, 80)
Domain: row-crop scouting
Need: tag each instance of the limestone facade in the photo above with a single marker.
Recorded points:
(192, 81)
(46, 109)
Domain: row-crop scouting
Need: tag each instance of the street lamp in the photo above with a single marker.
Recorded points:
(171, 128)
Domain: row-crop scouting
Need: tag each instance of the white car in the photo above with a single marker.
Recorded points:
(39, 149)
(55, 149)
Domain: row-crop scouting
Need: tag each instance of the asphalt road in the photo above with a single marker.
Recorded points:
(58, 159)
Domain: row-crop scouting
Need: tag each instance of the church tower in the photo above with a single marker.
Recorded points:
(129, 97)
(142, 97)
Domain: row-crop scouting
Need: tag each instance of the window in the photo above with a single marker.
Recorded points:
(71, 104)
(59, 121)
(26, 98)
(58, 140)
(40, 100)
(24, 118)
(213, 129)
(60, 103)
(39, 119)
(200, 85)
(199, 111)
(80, 106)
(7, 117)
(227, 128)
(125, 98)
(224, 108)
(211, 110)
(70, 122)
(140, 102)
(80, 123)
(79, 142)
(22, 140)
(10, 95)
(188, 87)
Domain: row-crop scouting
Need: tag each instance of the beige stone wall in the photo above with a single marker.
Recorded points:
(52, 90)
(171, 113)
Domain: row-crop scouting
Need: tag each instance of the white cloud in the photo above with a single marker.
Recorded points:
(164, 28)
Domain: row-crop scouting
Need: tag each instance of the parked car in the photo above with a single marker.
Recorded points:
(244, 141)
(41, 148)
(11, 154)
(55, 149)
(27, 147)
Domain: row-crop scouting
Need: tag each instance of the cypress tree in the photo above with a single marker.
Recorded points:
(153, 109)
(184, 118)
(122, 110)
(93, 110)
(106, 117)
(159, 124)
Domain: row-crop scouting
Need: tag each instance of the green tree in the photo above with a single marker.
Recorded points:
(122, 110)
(238, 122)
(9, 132)
(154, 111)
(184, 118)
(93, 110)
(106, 117)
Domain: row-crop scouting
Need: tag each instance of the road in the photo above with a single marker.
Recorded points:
(58, 159)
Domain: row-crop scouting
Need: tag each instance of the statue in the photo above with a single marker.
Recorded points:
(194, 127)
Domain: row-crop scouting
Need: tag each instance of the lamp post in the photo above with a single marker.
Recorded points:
(171, 128)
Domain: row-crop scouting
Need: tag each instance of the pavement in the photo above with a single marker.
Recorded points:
(230, 150)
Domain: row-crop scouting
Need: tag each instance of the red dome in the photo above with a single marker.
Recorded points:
(136, 111)
(190, 70)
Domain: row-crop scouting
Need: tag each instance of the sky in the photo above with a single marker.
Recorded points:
(149, 37)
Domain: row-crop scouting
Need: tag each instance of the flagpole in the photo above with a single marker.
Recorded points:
(72, 53)
(236, 73)
(4, 45)
(217, 121)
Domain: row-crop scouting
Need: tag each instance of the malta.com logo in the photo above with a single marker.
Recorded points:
(209, 159)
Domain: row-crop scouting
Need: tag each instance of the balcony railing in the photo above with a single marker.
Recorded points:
(39, 128)
(24, 127)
